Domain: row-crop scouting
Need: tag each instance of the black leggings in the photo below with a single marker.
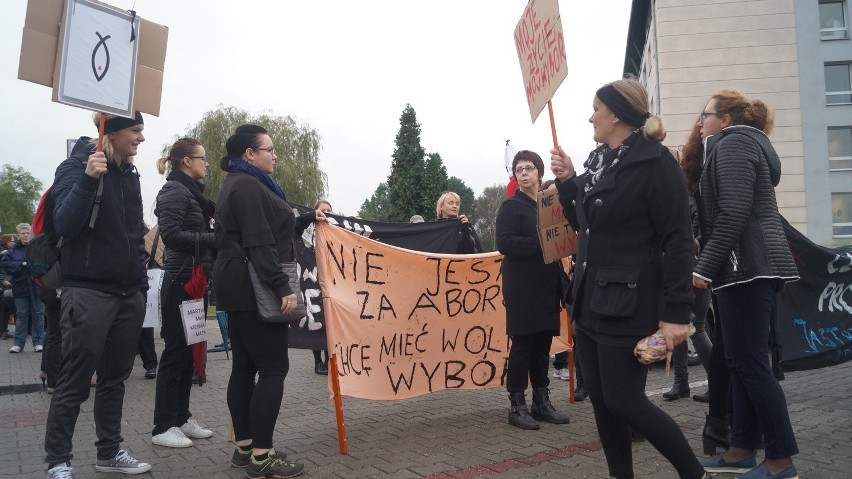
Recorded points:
(259, 348)
(615, 381)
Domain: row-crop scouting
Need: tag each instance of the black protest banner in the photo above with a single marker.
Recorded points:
(814, 319)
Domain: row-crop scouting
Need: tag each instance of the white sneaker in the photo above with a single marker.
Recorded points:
(194, 430)
(39, 348)
(173, 437)
(562, 374)
(15, 349)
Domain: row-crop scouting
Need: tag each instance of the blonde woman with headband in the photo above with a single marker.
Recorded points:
(632, 275)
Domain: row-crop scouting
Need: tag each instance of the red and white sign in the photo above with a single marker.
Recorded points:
(541, 51)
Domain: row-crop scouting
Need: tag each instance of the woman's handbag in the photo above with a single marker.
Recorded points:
(269, 303)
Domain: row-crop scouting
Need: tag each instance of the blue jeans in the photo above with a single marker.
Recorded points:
(29, 310)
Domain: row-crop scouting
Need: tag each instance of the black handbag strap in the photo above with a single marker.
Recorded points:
(153, 255)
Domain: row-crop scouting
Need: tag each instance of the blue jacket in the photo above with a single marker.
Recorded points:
(18, 274)
(110, 256)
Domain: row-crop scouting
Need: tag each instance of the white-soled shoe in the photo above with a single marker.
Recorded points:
(194, 430)
(562, 374)
(61, 471)
(173, 437)
(124, 463)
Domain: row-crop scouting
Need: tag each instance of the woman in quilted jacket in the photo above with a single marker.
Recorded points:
(746, 260)
(184, 217)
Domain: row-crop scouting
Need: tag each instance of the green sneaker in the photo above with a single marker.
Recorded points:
(242, 459)
(273, 468)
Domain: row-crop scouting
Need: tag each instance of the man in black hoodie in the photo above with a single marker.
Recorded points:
(98, 214)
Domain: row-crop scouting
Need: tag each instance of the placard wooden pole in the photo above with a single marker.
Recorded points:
(103, 121)
(552, 124)
(338, 404)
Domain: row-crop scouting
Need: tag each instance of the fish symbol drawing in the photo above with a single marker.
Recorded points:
(100, 71)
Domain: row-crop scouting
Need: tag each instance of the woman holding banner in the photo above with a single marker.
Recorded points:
(532, 290)
(447, 208)
(254, 222)
(184, 217)
(633, 264)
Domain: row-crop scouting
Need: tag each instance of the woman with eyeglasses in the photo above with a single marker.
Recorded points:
(746, 260)
(255, 222)
(632, 270)
(184, 217)
(532, 290)
(448, 208)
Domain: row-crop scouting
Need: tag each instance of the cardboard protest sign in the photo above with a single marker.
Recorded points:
(42, 49)
(404, 323)
(541, 51)
(555, 234)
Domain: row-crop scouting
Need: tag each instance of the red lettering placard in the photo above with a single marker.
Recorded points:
(541, 51)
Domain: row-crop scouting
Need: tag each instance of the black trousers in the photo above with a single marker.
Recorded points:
(99, 332)
(759, 402)
(718, 375)
(259, 350)
(53, 347)
(529, 358)
(145, 348)
(174, 378)
(615, 381)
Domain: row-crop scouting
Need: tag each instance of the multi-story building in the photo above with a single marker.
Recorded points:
(795, 55)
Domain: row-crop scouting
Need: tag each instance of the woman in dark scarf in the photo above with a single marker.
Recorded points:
(633, 269)
(184, 218)
(255, 222)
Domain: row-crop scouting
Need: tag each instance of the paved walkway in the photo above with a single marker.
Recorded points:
(453, 434)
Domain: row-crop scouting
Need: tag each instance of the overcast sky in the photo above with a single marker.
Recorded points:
(347, 69)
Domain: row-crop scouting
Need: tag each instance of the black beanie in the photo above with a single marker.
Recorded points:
(119, 123)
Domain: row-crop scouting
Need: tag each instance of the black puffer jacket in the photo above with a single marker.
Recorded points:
(741, 230)
(181, 221)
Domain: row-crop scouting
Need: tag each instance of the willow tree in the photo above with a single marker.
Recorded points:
(297, 147)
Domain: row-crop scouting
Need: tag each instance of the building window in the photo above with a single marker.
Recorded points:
(832, 20)
(840, 149)
(838, 83)
(841, 214)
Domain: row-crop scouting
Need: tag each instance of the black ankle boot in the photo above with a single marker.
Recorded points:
(703, 397)
(543, 410)
(680, 389)
(519, 415)
(717, 433)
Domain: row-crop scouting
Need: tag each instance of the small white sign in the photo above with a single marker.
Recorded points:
(194, 319)
(153, 309)
(98, 67)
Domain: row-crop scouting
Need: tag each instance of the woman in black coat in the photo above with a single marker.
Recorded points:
(254, 222)
(184, 219)
(531, 292)
(632, 276)
(745, 258)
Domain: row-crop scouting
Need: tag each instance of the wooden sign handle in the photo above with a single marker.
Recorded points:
(103, 121)
(552, 124)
